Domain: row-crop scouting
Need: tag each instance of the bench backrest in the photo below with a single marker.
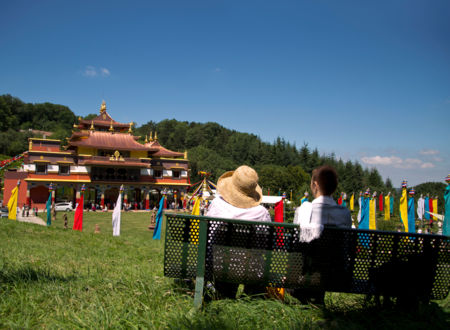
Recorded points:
(341, 260)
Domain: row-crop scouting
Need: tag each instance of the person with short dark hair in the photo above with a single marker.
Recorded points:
(323, 210)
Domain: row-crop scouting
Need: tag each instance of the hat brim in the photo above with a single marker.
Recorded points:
(236, 197)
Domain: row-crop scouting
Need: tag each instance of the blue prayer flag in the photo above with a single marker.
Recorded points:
(411, 216)
(49, 209)
(157, 230)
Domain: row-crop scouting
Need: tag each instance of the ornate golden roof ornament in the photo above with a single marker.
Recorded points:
(146, 141)
(92, 125)
(30, 145)
(111, 128)
(103, 107)
(185, 154)
(75, 126)
(130, 130)
(151, 136)
(156, 136)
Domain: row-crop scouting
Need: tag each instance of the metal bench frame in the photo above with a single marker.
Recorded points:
(271, 254)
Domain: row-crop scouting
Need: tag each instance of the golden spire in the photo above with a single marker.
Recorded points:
(156, 136)
(185, 154)
(92, 125)
(146, 141)
(103, 107)
(130, 130)
(111, 128)
(151, 136)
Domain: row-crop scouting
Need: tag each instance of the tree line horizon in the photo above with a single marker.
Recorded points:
(281, 166)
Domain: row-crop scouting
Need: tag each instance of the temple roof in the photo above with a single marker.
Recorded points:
(102, 120)
(161, 151)
(113, 141)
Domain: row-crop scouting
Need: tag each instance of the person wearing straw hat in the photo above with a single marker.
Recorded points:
(239, 196)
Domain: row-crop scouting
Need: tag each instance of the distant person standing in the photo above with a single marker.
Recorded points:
(65, 220)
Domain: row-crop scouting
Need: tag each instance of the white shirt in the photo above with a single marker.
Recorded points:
(219, 208)
(324, 211)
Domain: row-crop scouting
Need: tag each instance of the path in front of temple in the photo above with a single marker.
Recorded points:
(30, 219)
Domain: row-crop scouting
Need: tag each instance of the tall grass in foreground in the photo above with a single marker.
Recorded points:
(56, 278)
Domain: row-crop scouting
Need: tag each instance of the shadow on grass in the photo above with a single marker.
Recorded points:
(370, 316)
(339, 312)
(31, 274)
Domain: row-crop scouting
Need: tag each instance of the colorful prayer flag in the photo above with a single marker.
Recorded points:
(117, 214)
(196, 208)
(352, 202)
(279, 210)
(411, 216)
(49, 205)
(365, 212)
(12, 202)
(404, 209)
(157, 230)
(446, 225)
(372, 211)
(387, 207)
(78, 217)
(435, 208)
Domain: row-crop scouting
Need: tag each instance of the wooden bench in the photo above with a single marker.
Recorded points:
(411, 266)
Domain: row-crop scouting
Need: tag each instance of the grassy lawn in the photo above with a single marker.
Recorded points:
(56, 278)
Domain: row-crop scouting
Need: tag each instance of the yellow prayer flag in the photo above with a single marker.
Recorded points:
(387, 207)
(12, 204)
(435, 208)
(372, 219)
(352, 202)
(196, 208)
(404, 209)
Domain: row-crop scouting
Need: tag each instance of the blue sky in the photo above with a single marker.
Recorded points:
(367, 81)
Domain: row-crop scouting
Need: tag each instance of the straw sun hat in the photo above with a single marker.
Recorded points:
(240, 187)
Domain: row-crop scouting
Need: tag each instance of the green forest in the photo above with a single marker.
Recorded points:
(281, 165)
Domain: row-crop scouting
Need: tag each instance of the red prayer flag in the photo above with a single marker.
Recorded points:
(279, 208)
(78, 218)
(431, 204)
(380, 204)
(340, 200)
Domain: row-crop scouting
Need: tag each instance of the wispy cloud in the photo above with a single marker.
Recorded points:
(397, 162)
(92, 71)
(105, 72)
(427, 165)
(429, 152)
(217, 69)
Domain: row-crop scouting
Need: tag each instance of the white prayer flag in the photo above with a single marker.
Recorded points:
(116, 214)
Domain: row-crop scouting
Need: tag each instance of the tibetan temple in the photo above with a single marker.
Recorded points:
(102, 154)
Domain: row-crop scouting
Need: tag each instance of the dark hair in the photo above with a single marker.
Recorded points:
(326, 178)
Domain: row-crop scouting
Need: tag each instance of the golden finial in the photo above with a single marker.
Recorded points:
(79, 118)
(103, 107)
(156, 136)
(30, 145)
(92, 125)
(146, 141)
(185, 154)
(130, 130)
(151, 136)
(75, 126)
(111, 128)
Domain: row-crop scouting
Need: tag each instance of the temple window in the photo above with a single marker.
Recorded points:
(175, 174)
(41, 168)
(64, 170)
(157, 173)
